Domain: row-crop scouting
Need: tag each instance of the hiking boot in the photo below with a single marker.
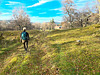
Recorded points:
(25, 49)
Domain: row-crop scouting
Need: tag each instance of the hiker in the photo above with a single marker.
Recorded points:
(24, 37)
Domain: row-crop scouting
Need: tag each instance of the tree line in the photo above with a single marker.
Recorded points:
(73, 18)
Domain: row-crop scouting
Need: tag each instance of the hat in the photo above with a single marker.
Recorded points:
(24, 28)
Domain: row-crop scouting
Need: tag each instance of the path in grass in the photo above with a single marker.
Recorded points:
(12, 50)
(18, 54)
(58, 52)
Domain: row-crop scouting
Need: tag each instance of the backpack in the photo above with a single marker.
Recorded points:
(24, 35)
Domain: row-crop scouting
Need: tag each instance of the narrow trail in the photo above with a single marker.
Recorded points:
(19, 51)
(36, 65)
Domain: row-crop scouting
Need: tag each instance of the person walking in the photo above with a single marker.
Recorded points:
(24, 38)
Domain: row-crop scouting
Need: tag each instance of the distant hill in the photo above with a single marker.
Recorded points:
(57, 22)
(5, 20)
(48, 22)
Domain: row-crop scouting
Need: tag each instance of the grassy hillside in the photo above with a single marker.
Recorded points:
(53, 53)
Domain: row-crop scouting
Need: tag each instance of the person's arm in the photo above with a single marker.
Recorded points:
(20, 38)
(28, 36)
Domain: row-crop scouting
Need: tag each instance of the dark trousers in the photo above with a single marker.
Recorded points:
(25, 44)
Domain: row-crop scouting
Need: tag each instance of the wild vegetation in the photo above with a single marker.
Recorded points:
(72, 50)
(52, 53)
(73, 18)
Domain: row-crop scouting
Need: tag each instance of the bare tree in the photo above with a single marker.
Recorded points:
(99, 9)
(44, 26)
(69, 10)
(76, 18)
(37, 25)
(21, 19)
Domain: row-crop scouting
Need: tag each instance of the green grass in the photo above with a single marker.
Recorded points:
(55, 52)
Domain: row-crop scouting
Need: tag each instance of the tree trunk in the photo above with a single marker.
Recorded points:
(99, 10)
(81, 23)
(99, 14)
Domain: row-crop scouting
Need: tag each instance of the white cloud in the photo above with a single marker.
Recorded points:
(83, 3)
(80, 0)
(12, 3)
(35, 18)
(43, 13)
(46, 19)
(60, 9)
(3, 17)
(40, 3)
(5, 13)
(59, 13)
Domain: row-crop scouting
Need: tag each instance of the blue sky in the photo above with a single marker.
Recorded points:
(38, 10)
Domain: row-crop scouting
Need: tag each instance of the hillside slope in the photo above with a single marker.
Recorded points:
(56, 53)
